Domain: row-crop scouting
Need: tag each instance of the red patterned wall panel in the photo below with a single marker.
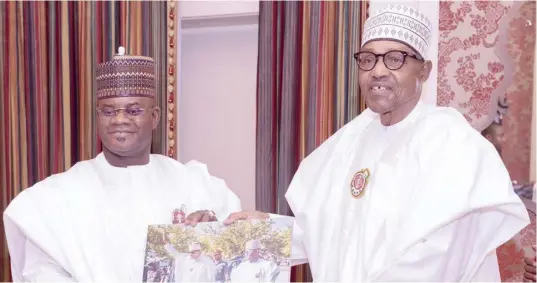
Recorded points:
(486, 51)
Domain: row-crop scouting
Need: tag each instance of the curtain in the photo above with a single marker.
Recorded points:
(307, 89)
(49, 53)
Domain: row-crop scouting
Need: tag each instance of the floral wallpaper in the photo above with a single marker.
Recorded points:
(485, 55)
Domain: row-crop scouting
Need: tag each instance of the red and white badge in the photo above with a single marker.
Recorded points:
(359, 183)
(178, 215)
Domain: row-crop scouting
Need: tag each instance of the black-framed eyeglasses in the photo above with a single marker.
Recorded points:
(393, 60)
(129, 111)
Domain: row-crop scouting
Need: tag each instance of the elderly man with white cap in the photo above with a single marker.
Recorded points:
(194, 268)
(405, 191)
(254, 268)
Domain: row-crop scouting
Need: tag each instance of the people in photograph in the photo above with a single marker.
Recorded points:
(153, 272)
(222, 268)
(254, 268)
(192, 267)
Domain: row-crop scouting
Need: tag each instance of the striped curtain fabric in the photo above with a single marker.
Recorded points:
(307, 88)
(48, 56)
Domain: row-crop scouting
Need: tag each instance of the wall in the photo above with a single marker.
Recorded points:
(217, 104)
(218, 9)
(430, 8)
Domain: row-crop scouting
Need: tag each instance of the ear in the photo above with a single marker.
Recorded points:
(425, 71)
(155, 115)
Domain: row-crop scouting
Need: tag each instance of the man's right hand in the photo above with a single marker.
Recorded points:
(243, 215)
(529, 268)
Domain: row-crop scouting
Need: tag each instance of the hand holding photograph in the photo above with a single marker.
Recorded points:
(246, 251)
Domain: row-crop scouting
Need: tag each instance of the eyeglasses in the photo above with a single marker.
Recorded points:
(393, 60)
(129, 111)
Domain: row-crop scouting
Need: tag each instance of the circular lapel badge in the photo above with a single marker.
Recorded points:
(359, 183)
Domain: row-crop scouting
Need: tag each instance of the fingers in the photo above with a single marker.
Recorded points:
(529, 269)
(193, 218)
(530, 261)
(200, 216)
(243, 215)
(206, 217)
(236, 216)
(528, 277)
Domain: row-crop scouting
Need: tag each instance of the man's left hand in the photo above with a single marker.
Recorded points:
(200, 216)
(243, 215)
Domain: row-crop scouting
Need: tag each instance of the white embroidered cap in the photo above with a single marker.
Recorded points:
(253, 245)
(400, 23)
(194, 247)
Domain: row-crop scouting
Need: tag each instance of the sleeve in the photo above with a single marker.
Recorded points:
(172, 251)
(298, 253)
(448, 255)
(29, 263)
(227, 270)
(39, 267)
(462, 208)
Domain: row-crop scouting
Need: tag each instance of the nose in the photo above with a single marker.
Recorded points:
(120, 118)
(380, 70)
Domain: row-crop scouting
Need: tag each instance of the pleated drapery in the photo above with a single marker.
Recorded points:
(49, 53)
(307, 88)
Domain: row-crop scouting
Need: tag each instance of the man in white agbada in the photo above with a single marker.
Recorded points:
(195, 267)
(90, 222)
(254, 268)
(405, 191)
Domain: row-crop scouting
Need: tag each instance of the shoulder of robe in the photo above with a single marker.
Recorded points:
(47, 190)
(163, 159)
(45, 197)
(200, 172)
(446, 129)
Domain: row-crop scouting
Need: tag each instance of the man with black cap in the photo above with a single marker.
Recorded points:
(406, 191)
(90, 222)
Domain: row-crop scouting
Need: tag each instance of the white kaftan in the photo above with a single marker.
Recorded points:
(438, 203)
(258, 271)
(90, 223)
(187, 269)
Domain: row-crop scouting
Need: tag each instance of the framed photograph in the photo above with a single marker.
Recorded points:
(246, 251)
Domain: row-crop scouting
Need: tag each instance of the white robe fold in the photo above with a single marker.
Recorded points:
(438, 203)
(90, 223)
(258, 271)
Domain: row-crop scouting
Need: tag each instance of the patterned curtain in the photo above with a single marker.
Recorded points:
(307, 89)
(486, 54)
(48, 56)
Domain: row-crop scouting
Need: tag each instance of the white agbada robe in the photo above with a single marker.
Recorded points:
(258, 271)
(187, 269)
(90, 223)
(438, 203)
(202, 269)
